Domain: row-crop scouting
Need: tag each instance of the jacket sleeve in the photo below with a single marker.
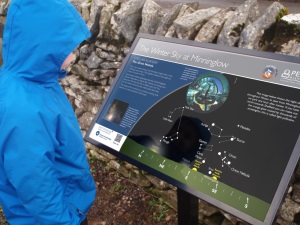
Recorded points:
(29, 155)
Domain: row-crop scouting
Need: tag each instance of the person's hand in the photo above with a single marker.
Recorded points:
(68, 61)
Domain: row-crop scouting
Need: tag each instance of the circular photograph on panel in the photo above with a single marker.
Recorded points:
(208, 92)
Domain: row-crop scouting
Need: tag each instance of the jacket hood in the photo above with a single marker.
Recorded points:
(38, 36)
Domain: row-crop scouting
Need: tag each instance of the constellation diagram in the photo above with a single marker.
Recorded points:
(184, 130)
(173, 136)
(217, 131)
(225, 160)
(203, 147)
(178, 108)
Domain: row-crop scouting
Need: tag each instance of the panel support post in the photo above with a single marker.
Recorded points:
(188, 208)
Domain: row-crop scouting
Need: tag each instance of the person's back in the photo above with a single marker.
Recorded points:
(44, 172)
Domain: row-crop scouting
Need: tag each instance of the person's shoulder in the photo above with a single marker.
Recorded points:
(21, 105)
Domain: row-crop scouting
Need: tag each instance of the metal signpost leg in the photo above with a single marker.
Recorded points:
(188, 208)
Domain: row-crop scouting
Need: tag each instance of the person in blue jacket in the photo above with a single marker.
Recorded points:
(44, 172)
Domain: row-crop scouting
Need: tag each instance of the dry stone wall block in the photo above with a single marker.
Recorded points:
(95, 12)
(93, 62)
(185, 10)
(168, 19)
(188, 26)
(251, 35)
(152, 14)
(234, 25)
(210, 31)
(126, 21)
(289, 209)
(292, 19)
(105, 19)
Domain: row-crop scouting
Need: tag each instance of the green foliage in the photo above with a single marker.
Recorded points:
(279, 33)
(283, 12)
(161, 210)
(92, 159)
(117, 188)
(93, 171)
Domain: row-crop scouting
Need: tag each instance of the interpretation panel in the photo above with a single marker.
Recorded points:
(221, 123)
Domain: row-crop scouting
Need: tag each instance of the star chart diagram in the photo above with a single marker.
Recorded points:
(199, 123)
(196, 152)
(190, 140)
(216, 132)
(210, 180)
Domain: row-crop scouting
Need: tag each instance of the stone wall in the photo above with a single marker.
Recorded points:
(114, 25)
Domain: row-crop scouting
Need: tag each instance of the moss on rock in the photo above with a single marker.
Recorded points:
(279, 33)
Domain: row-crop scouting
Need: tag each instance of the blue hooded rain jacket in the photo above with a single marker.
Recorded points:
(44, 172)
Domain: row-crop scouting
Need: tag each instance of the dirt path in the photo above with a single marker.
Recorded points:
(121, 202)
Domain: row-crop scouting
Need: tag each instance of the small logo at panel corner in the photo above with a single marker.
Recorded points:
(291, 75)
(269, 72)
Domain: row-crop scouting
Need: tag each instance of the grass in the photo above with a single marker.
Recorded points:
(161, 210)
